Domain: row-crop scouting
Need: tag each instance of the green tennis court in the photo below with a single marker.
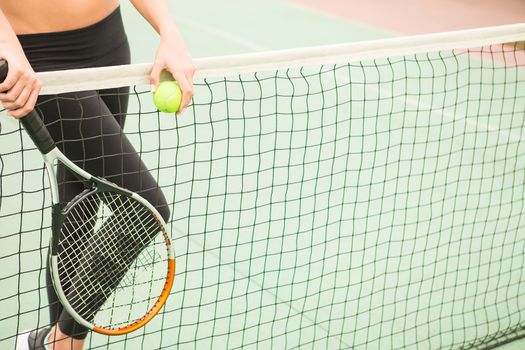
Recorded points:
(370, 205)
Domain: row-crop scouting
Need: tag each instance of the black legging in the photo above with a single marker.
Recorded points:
(87, 126)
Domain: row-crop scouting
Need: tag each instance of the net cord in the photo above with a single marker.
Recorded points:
(137, 74)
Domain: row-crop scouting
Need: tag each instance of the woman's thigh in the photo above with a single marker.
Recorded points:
(89, 134)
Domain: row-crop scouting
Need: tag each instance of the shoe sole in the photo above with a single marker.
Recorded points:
(22, 342)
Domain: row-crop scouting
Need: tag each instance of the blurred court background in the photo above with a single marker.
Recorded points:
(223, 27)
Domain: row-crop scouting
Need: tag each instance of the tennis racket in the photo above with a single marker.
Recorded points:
(112, 263)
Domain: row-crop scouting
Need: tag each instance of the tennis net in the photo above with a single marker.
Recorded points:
(365, 196)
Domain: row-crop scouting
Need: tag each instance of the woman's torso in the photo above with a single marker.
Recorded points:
(43, 16)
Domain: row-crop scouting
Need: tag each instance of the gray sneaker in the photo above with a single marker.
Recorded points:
(33, 340)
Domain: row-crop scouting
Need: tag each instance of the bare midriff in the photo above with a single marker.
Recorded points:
(44, 16)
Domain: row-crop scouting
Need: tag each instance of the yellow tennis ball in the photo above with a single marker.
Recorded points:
(168, 96)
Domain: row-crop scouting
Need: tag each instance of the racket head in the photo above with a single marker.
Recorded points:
(112, 262)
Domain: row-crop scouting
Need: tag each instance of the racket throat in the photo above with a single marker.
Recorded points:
(104, 185)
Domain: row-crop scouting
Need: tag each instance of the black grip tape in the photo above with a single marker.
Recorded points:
(3, 70)
(32, 122)
(3, 75)
(38, 132)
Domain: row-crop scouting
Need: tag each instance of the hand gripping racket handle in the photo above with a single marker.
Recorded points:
(32, 122)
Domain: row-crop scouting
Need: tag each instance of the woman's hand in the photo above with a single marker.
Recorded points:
(173, 57)
(19, 91)
(172, 54)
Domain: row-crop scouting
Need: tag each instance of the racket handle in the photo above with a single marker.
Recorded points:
(32, 122)
(38, 132)
(3, 70)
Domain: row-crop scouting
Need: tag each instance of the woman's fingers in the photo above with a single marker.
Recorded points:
(185, 80)
(19, 92)
(173, 57)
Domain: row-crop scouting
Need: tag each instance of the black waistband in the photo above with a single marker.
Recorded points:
(78, 48)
